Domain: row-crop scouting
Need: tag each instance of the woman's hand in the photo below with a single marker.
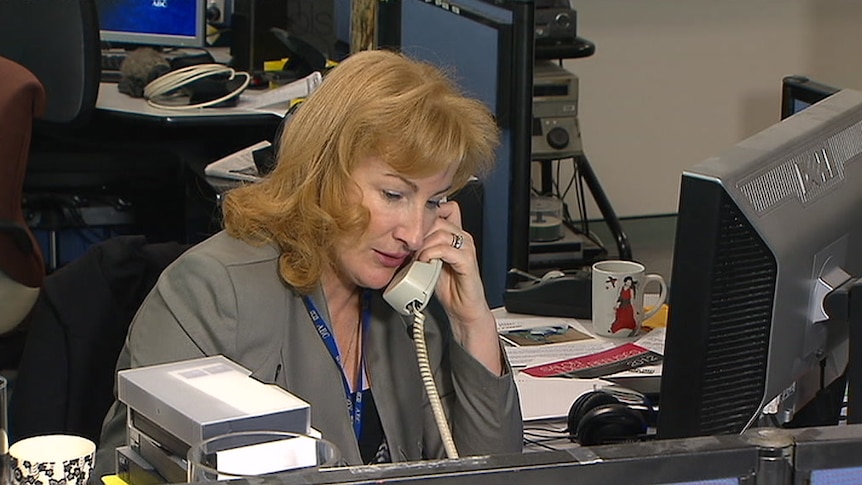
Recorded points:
(460, 287)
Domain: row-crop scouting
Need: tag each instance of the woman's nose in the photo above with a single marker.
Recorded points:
(411, 230)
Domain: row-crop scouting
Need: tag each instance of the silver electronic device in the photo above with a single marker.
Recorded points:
(556, 136)
(556, 133)
(174, 405)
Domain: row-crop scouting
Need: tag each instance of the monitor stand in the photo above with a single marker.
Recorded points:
(854, 364)
(844, 303)
(824, 409)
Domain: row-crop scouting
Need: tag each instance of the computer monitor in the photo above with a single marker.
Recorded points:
(478, 42)
(168, 23)
(800, 92)
(765, 231)
(343, 16)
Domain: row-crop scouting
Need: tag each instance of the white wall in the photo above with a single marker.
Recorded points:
(675, 81)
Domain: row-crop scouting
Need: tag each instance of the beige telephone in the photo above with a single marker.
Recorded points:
(408, 293)
(411, 288)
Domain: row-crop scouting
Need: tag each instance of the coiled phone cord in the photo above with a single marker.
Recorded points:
(430, 385)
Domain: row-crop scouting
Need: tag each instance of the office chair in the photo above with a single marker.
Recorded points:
(21, 266)
(65, 378)
(58, 41)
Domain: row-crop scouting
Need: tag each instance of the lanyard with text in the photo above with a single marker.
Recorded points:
(354, 399)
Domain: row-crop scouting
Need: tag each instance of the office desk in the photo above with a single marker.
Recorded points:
(219, 131)
(151, 158)
(780, 457)
(112, 102)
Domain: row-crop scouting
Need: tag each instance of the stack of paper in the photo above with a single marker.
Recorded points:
(558, 359)
(238, 165)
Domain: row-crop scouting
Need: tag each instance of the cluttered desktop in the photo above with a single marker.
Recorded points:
(174, 57)
(757, 349)
(127, 164)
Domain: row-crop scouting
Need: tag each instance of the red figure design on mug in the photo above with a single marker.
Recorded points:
(625, 311)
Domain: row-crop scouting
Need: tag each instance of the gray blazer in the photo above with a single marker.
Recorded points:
(225, 296)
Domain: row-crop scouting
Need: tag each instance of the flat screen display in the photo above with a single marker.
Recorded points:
(765, 230)
(471, 40)
(800, 92)
(153, 22)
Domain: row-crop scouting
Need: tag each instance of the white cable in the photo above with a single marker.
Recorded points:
(165, 85)
(430, 386)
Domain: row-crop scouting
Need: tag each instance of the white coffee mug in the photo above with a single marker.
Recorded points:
(56, 458)
(618, 297)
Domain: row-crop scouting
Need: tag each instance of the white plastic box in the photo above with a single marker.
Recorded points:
(188, 401)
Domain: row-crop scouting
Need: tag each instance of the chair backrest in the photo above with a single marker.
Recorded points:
(21, 266)
(57, 40)
(65, 380)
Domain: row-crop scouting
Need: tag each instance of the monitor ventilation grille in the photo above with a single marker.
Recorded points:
(738, 339)
(807, 174)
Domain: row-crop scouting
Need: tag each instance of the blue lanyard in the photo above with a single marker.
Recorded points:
(354, 399)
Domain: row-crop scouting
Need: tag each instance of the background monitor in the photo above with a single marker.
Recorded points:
(800, 92)
(478, 42)
(343, 16)
(169, 23)
(765, 230)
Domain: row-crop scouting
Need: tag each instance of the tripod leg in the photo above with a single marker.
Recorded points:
(613, 222)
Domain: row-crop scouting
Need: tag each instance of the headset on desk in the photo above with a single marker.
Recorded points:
(610, 415)
(223, 86)
(602, 418)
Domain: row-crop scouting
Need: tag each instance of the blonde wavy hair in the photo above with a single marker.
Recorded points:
(375, 103)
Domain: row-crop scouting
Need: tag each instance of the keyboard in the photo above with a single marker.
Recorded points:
(113, 59)
(111, 62)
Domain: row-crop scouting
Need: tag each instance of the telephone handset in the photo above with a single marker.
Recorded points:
(408, 293)
(412, 286)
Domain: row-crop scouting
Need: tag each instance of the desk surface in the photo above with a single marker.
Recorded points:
(113, 101)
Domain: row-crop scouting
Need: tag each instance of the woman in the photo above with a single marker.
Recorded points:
(365, 167)
(625, 317)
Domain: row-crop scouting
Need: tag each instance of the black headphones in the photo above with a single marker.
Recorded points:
(599, 418)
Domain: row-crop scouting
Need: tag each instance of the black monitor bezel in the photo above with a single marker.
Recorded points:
(801, 88)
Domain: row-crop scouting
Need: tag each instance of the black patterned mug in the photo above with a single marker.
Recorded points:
(56, 459)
